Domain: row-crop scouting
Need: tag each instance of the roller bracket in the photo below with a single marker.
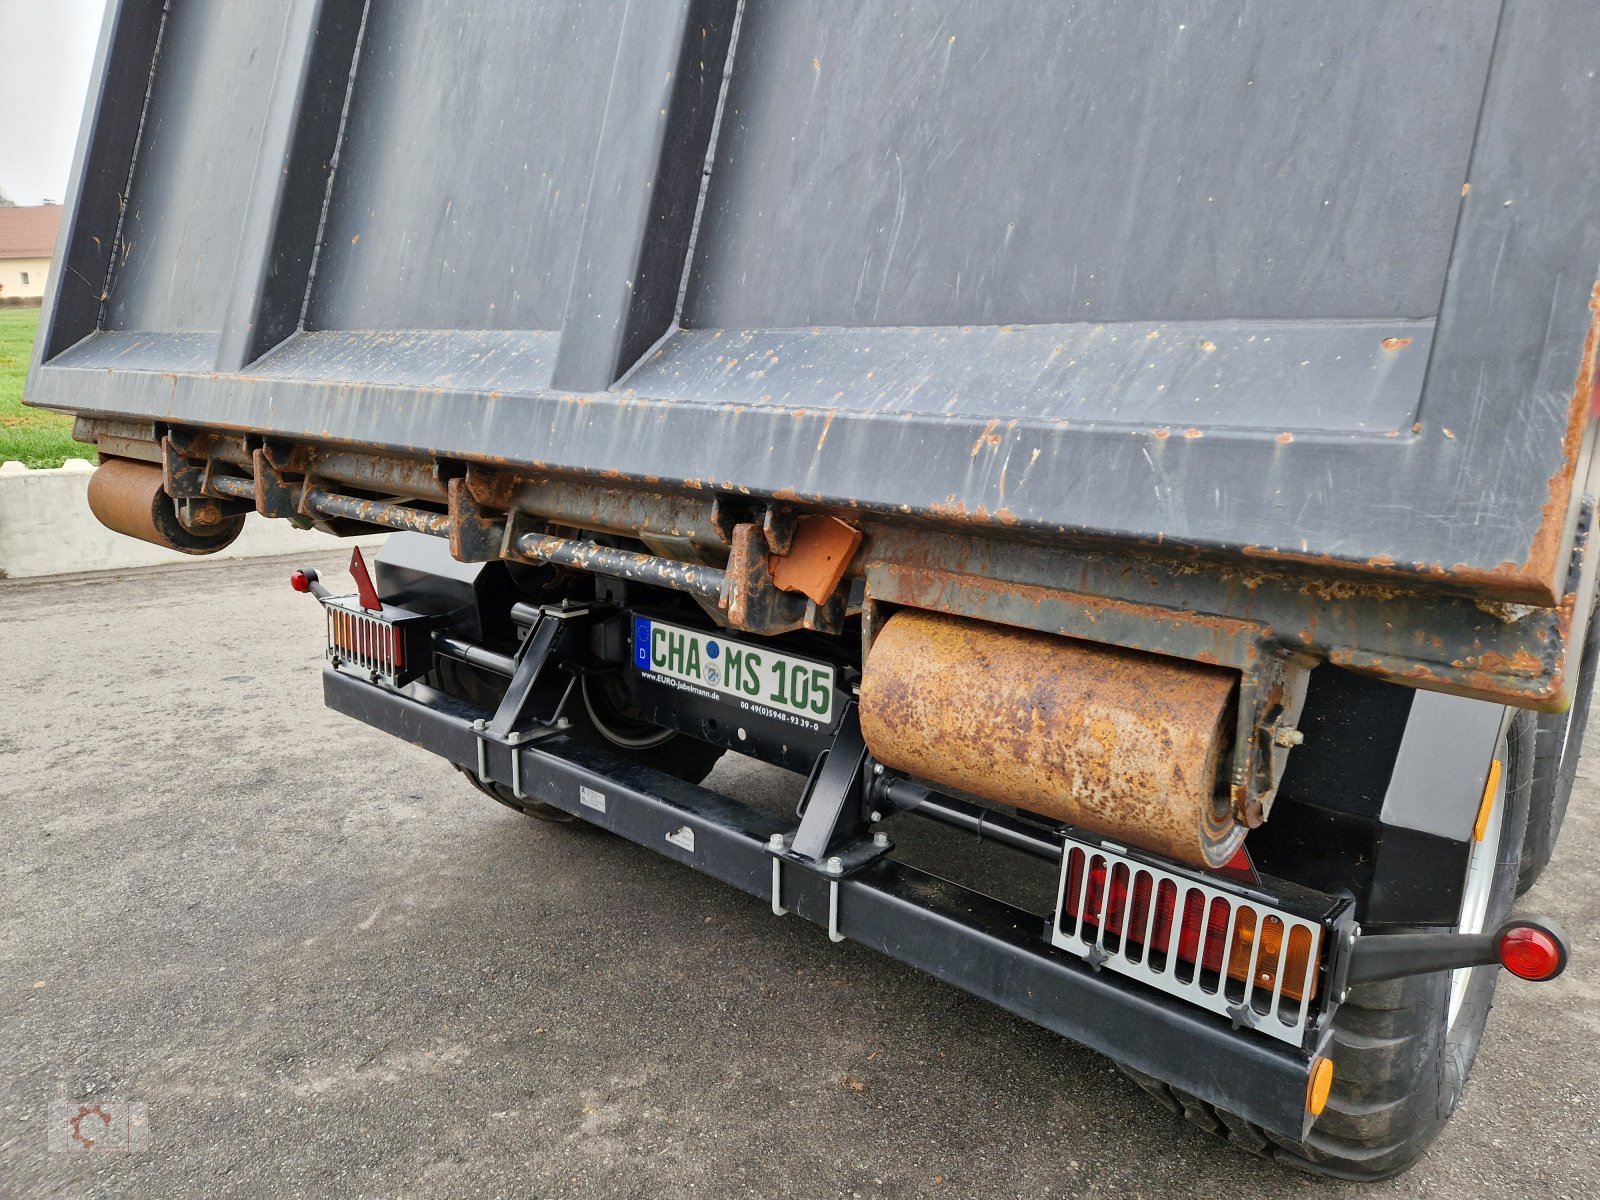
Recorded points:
(182, 477)
(832, 841)
(1270, 699)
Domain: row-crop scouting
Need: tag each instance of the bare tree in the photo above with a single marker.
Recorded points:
(5, 200)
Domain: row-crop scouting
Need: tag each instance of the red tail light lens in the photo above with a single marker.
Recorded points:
(300, 581)
(1530, 953)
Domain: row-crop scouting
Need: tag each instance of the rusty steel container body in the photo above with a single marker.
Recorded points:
(812, 253)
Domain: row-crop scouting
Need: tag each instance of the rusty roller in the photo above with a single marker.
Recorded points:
(1125, 744)
(127, 497)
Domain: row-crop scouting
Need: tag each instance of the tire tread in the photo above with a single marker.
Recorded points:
(1397, 1076)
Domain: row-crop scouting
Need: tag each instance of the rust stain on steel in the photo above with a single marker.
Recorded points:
(628, 564)
(1537, 576)
(376, 512)
(1523, 663)
(1544, 556)
(826, 425)
(817, 558)
(1382, 569)
(491, 489)
(987, 438)
(1396, 343)
(747, 559)
(1488, 675)
(1126, 744)
(1234, 642)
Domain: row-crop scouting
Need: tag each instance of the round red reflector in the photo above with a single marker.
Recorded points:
(1530, 953)
(300, 582)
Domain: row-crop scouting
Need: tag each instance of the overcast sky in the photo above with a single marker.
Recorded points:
(48, 48)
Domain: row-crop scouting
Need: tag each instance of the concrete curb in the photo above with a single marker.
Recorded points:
(46, 528)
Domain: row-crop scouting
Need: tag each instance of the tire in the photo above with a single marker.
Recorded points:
(1400, 1063)
(1557, 746)
(598, 715)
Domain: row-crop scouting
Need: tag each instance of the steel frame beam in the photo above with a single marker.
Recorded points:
(975, 943)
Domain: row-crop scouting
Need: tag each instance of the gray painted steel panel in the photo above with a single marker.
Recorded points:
(1336, 377)
(458, 202)
(1342, 174)
(1012, 163)
(1443, 765)
(206, 111)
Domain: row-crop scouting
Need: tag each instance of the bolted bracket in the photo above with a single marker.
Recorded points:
(755, 603)
(1270, 700)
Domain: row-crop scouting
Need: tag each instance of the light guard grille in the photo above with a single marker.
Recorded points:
(1263, 961)
(368, 641)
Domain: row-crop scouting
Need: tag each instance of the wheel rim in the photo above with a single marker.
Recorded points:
(1566, 734)
(616, 728)
(1482, 862)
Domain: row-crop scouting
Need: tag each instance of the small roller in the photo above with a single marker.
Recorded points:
(127, 496)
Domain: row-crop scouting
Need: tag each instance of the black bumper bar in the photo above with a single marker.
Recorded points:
(957, 935)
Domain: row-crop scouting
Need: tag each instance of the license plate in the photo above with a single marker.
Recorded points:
(755, 678)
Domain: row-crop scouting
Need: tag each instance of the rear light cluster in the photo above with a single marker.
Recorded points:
(392, 644)
(1257, 964)
(1201, 928)
(366, 641)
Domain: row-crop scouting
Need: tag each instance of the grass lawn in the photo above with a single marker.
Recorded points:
(29, 435)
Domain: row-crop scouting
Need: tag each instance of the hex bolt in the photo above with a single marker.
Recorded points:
(876, 816)
(877, 768)
(479, 724)
(775, 842)
(1287, 735)
(881, 840)
(835, 865)
(514, 737)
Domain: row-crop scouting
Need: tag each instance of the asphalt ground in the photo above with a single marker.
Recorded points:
(325, 966)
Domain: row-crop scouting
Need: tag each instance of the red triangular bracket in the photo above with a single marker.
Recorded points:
(365, 592)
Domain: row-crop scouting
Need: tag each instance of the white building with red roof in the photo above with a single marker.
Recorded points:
(27, 240)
